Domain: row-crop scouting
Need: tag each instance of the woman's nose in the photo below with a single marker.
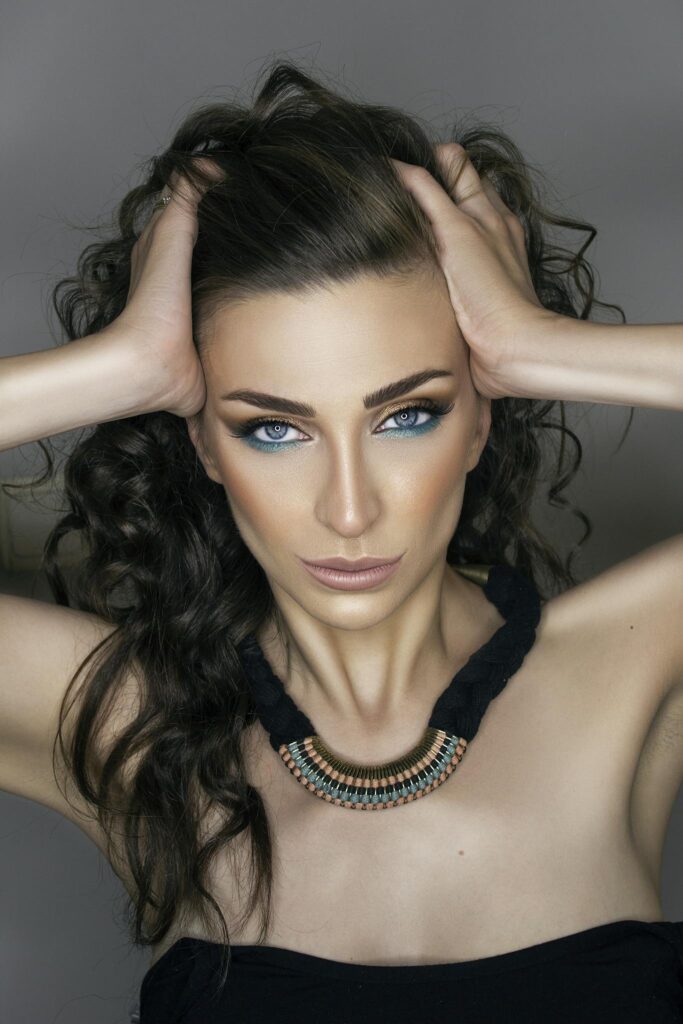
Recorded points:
(348, 501)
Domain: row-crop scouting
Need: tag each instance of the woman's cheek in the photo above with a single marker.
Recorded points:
(265, 511)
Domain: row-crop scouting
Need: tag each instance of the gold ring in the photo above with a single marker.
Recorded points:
(161, 202)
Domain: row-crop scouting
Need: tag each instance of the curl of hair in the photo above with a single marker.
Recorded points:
(309, 197)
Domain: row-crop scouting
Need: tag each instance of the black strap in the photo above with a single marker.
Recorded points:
(460, 708)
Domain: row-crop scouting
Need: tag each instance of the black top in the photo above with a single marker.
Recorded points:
(623, 972)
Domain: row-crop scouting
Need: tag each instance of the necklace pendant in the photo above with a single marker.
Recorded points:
(374, 787)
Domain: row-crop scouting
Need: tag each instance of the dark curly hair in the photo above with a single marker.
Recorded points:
(309, 196)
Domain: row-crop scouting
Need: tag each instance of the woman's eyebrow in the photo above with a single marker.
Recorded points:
(387, 393)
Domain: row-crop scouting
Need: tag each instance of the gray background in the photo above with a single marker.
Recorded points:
(591, 92)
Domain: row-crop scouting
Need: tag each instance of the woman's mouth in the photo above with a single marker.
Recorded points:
(359, 579)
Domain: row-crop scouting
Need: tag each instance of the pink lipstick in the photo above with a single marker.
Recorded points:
(341, 574)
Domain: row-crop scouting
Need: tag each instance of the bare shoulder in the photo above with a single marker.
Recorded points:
(631, 613)
(42, 646)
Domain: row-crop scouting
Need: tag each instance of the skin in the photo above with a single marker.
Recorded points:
(370, 661)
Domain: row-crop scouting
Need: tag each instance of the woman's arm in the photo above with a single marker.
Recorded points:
(144, 361)
(584, 361)
(518, 347)
(89, 380)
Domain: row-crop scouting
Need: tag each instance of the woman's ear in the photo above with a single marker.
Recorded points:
(197, 436)
(481, 431)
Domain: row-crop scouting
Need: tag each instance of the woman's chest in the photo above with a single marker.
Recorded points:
(531, 837)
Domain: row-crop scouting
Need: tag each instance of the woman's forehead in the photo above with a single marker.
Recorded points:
(366, 328)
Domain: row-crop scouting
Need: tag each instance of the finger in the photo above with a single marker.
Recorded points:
(514, 224)
(494, 196)
(191, 190)
(441, 211)
(463, 182)
(451, 155)
(184, 193)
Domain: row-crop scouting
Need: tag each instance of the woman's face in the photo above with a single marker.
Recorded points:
(356, 473)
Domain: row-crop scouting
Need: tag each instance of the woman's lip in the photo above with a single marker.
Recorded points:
(344, 565)
(362, 579)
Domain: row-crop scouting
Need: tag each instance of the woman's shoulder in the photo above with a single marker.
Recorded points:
(630, 614)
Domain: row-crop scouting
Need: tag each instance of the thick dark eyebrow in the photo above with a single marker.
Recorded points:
(387, 393)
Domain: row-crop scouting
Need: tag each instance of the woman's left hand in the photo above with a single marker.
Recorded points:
(483, 257)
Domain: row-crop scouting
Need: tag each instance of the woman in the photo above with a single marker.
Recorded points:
(319, 277)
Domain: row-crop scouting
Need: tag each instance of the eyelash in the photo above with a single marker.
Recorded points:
(436, 409)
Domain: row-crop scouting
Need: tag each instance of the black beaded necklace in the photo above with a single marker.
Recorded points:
(453, 724)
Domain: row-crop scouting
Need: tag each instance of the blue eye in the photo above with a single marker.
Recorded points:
(407, 418)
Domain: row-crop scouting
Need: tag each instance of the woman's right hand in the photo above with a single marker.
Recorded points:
(157, 318)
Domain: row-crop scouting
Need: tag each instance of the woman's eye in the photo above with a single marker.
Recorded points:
(275, 432)
(408, 419)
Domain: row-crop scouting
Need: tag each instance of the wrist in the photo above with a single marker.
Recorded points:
(142, 378)
(517, 351)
